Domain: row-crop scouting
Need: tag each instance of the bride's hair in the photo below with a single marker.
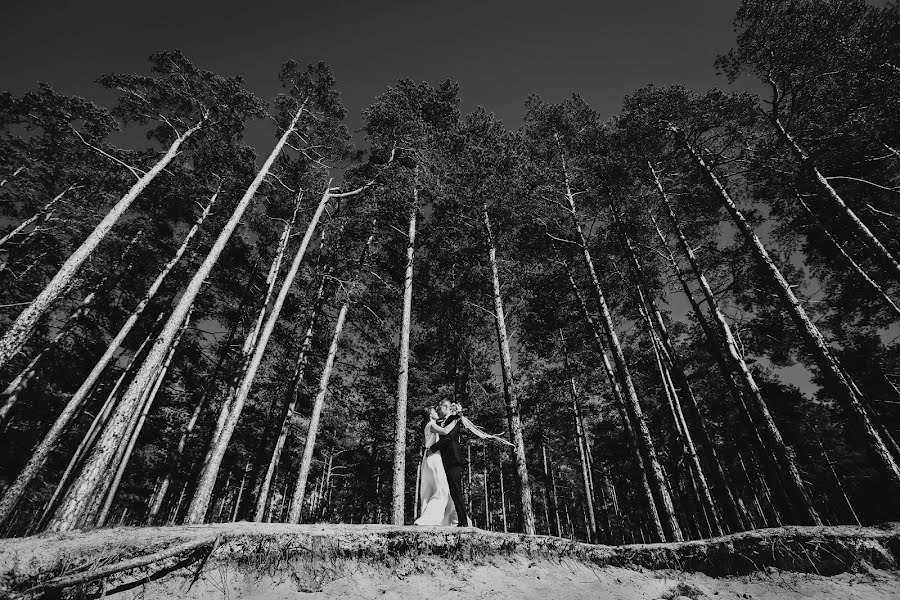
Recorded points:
(456, 408)
(426, 416)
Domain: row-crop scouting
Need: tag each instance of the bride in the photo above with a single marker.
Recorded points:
(437, 508)
(434, 494)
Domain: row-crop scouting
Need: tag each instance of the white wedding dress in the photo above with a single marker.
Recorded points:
(434, 493)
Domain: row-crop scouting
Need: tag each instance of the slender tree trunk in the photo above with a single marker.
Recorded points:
(546, 490)
(177, 508)
(399, 482)
(44, 210)
(237, 501)
(619, 396)
(484, 484)
(319, 401)
(830, 369)
(862, 230)
(853, 264)
(502, 495)
(512, 405)
(21, 168)
(550, 481)
(206, 483)
(318, 405)
(19, 331)
(262, 492)
(418, 486)
(701, 494)
(69, 515)
(569, 524)
(582, 451)
(469, 479)
(220, 505)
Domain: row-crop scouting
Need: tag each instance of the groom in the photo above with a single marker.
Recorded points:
(451, 456)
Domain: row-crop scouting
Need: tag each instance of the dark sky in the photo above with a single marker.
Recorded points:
(499, 52)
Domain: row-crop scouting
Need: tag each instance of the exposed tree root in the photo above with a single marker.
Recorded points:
(82, 577)
(314, 555)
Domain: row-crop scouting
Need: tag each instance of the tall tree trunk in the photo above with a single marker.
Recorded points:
(398, 491)
(627, 421)
(513, 417)
(837, 202)
(135, 430)
(290, 410)
(582, 452)
(727, 368)
(69, 515)
(318, 405)
(418, 486)
(671, 365)
(217, 443)
(550, 482)
(586, 440)
(18, 385)
(97, 424)
(319, 401)
(39, 455)
(837, 480)
(853, 264)
(783, 454)
(484, 485)
(821, 354)
(237, 500)
(654, 471)
(21, 381)
(200, 502)
(21, 329)
(469, 479)
(174, 457)
(502, 495)
(15, 492)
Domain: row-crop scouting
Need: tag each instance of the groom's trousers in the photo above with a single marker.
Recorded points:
(454, 480)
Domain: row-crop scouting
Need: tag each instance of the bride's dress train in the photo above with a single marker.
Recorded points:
(434, 493)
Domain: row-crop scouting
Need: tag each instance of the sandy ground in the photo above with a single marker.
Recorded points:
(275, 561)
(528, 580)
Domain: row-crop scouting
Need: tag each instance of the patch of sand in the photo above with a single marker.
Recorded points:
(525, 580)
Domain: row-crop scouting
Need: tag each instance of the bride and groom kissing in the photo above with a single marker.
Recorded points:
(441, 493)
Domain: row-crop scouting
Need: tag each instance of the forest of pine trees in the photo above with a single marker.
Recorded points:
(684, 317)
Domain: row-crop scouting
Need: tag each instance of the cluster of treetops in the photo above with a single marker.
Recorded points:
(195, 330)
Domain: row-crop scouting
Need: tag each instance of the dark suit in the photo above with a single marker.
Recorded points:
(452, 457)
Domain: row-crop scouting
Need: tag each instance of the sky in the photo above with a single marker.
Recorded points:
(499, 52)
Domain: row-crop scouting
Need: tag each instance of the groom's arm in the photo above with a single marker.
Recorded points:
(444, 440)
